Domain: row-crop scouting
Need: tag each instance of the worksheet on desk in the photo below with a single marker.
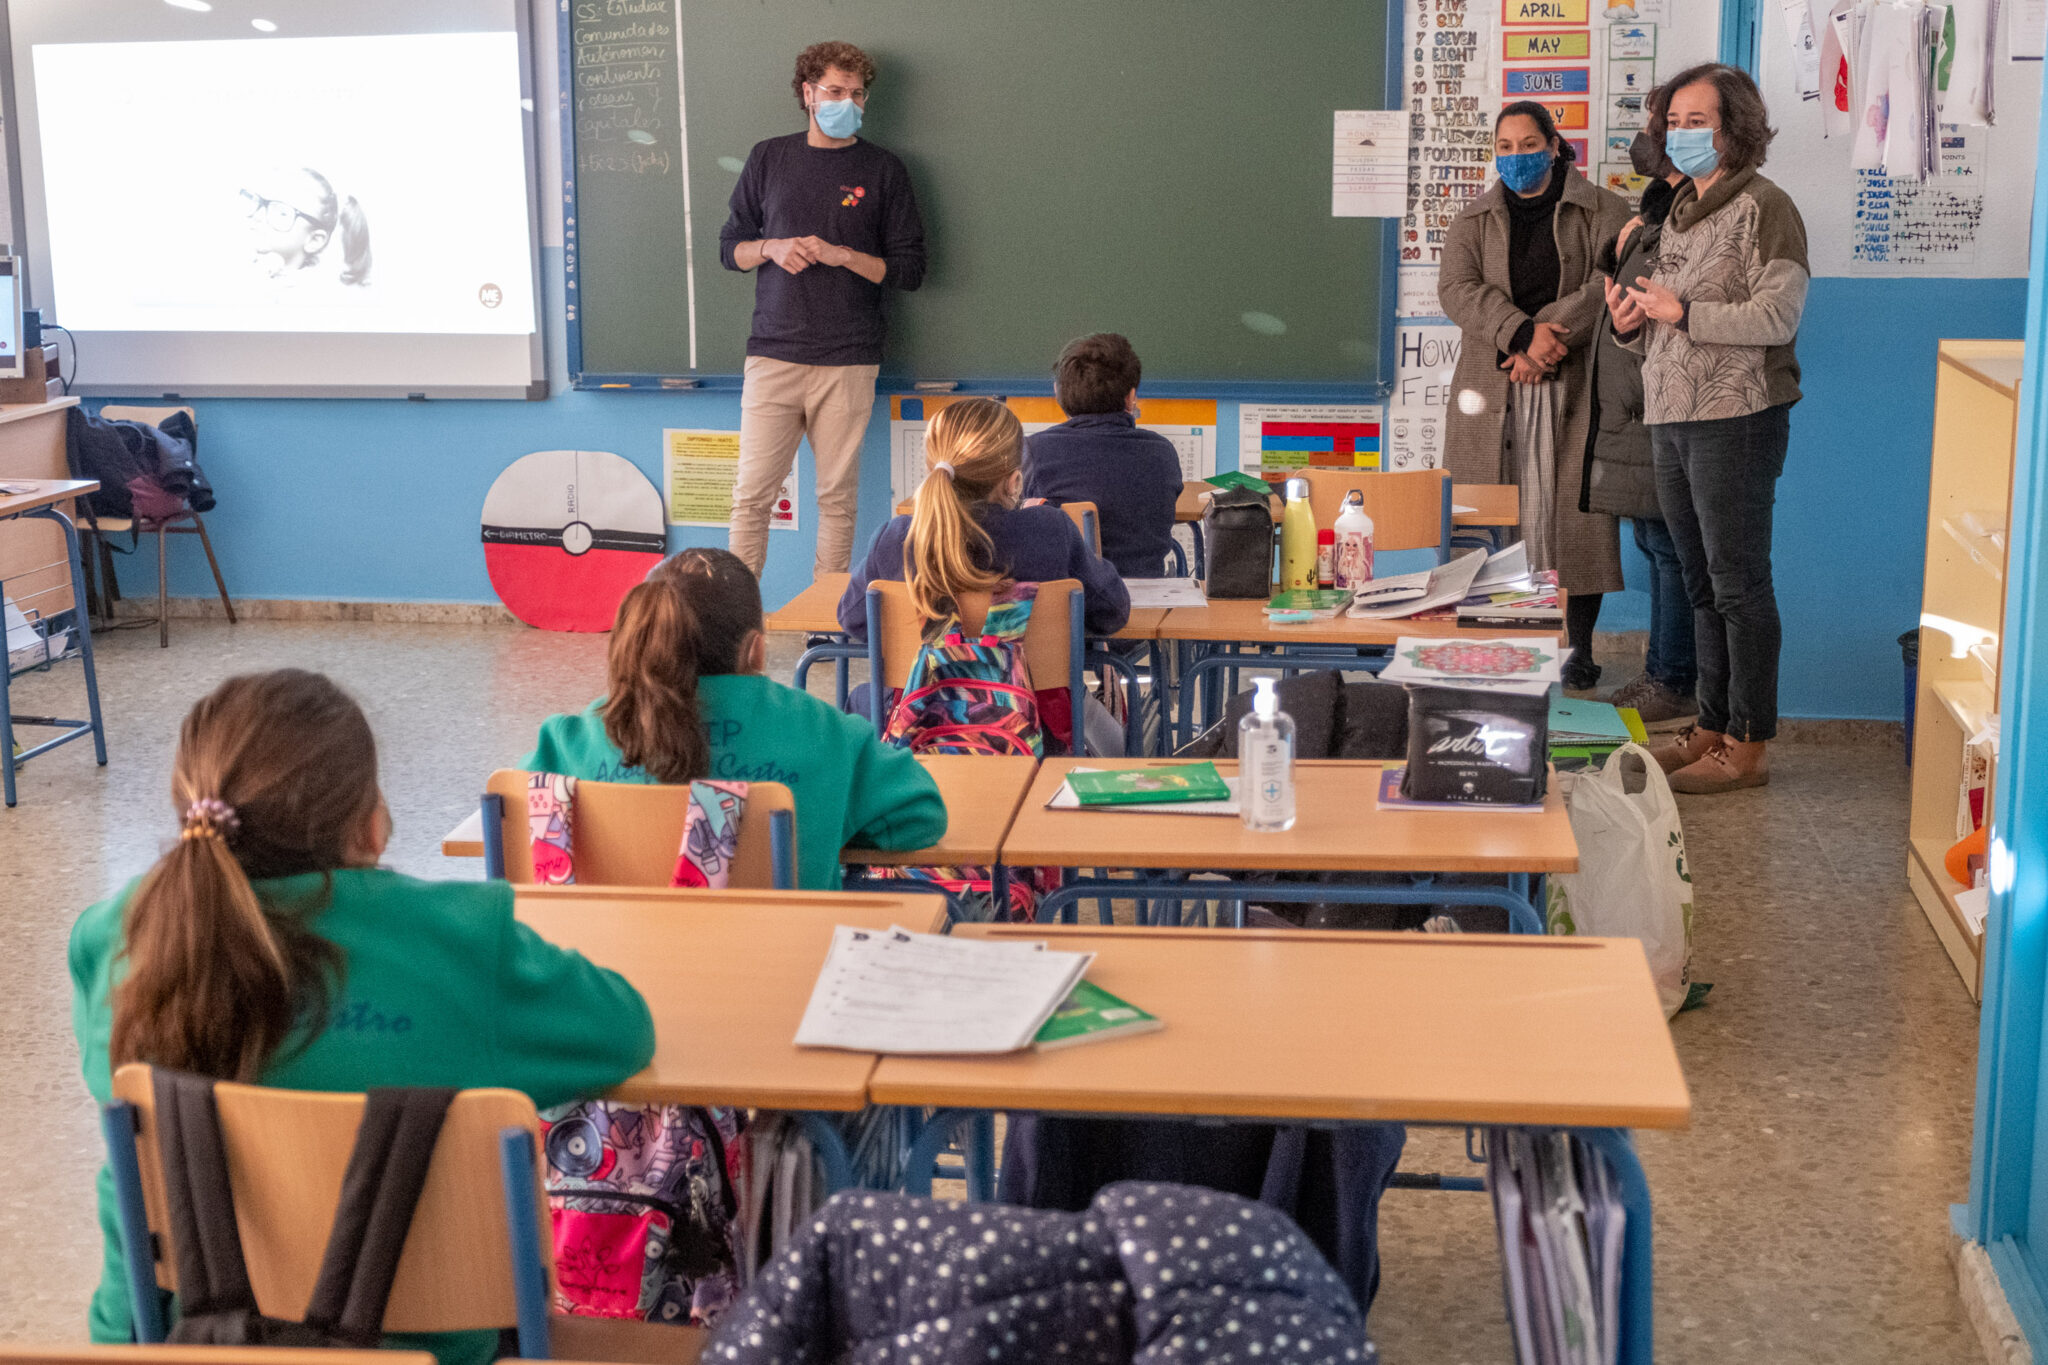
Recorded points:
(1165, 592)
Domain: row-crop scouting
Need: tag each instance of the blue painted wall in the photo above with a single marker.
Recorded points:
(379, 501)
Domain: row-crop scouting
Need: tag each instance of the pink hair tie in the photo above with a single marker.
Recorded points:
(210, 818)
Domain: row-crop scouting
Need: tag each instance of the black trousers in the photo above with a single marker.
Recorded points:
(1717, 483)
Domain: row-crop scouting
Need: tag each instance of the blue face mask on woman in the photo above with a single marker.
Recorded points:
(837, 118)
(1524, 171)
(1692, 150)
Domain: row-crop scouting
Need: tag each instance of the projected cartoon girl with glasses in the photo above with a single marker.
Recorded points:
(294, 217)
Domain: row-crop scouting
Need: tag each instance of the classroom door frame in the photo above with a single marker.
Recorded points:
(2007, 1211)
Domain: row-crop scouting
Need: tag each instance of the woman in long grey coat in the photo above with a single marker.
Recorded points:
(1518, 279)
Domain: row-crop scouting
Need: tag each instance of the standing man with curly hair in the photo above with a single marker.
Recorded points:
(831, 221)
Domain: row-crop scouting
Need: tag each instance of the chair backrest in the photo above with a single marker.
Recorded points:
(202, 1355)
(116, 412)
(1410, 510)
(1054, 650)
(1088, 518)
(287, 1151)
(899, 630)
(628, 833)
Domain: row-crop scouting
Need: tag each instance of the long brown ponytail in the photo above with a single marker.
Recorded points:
(971, 449)
(276, 775)
(688, 620)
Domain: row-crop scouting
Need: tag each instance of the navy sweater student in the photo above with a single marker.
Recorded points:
(966, 533)
(1101, 455)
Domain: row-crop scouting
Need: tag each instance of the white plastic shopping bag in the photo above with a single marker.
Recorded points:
(1632, 880)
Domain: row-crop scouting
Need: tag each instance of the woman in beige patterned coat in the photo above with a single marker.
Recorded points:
(1518, 279)
(1716, 322)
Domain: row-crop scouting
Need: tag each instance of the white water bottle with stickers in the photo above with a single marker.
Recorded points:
(1265, 763)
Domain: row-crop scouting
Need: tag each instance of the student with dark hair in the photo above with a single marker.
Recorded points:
(1518, 278)
(266, 945)
(1716, 321)
(1101, 455)
(688, 699)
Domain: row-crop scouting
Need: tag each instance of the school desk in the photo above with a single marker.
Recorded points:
(1338, 828)
(981, 796)
(727, 975)
(1230, 635)
(41, 590)
(1342, 1027)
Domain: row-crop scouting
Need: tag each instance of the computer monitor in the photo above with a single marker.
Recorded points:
(13, 363)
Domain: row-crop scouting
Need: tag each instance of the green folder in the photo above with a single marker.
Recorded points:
(1153, 786)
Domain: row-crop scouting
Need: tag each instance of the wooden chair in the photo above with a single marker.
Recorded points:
(1088, 519)
(1054, 646)
(188, 523)
(1410, 510)
(628, 833)
(477, 1257)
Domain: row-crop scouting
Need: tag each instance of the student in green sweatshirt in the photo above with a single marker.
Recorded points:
(688, 700)
(267, 946)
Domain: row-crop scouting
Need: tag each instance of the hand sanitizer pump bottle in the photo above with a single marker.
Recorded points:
(1265, 762)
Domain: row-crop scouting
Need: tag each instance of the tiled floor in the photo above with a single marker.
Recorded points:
(1801, 1219)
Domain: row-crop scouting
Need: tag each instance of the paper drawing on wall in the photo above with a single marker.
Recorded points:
(567, 533)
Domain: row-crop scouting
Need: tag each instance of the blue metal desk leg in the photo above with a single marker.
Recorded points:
(6, 728)
(83, 626)
(1638, 1345)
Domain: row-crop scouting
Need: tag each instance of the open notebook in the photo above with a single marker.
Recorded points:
(900, 992)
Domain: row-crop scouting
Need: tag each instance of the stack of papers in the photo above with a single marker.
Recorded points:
(900, 992)
(1584, 733)
(1165, 592)
(1561, 1225)
(27, 646)
(1522, 666)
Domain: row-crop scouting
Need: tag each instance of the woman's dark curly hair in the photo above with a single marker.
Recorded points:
(812, 62)
(1746, 130)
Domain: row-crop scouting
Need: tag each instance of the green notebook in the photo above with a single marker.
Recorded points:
(1092, 1015)
(1235, 479)
(1322, 601)
(1125, 786)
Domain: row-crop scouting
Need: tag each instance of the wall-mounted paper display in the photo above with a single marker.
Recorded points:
(1542, 12)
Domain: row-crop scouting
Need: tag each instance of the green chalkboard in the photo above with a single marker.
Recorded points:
(1155, 167)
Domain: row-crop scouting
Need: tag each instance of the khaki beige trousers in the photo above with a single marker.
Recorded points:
(780, 404)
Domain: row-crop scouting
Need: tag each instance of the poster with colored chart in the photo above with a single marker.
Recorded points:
(1286, 436)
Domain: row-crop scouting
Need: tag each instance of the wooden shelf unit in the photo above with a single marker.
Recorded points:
(1976, 420)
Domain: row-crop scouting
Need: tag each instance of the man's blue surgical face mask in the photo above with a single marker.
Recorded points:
(1692, 150)
(837, 118)
(1524, 171)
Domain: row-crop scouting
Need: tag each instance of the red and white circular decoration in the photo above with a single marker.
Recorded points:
(567, 533)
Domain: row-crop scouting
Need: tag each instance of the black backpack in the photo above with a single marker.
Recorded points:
(386, 1171)
(1237, 538)
(143, 471)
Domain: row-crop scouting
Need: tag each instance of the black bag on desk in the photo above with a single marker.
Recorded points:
(1237, 538)
(1478, 746)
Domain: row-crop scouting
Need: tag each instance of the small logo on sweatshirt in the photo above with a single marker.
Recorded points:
(853, 195)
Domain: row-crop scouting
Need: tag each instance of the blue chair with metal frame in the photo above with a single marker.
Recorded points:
(477, 1255)
(628, 833)
(1054, 644)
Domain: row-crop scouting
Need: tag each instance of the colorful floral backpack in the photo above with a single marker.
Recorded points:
(644, 1198)
(974, 696)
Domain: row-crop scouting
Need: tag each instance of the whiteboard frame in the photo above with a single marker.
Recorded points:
(27, 242)
(1376, 389)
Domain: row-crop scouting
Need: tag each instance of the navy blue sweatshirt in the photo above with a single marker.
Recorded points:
(1130, 474)
(1031, 544)
(858, 197)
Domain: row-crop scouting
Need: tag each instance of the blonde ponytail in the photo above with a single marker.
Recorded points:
(970, 451)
